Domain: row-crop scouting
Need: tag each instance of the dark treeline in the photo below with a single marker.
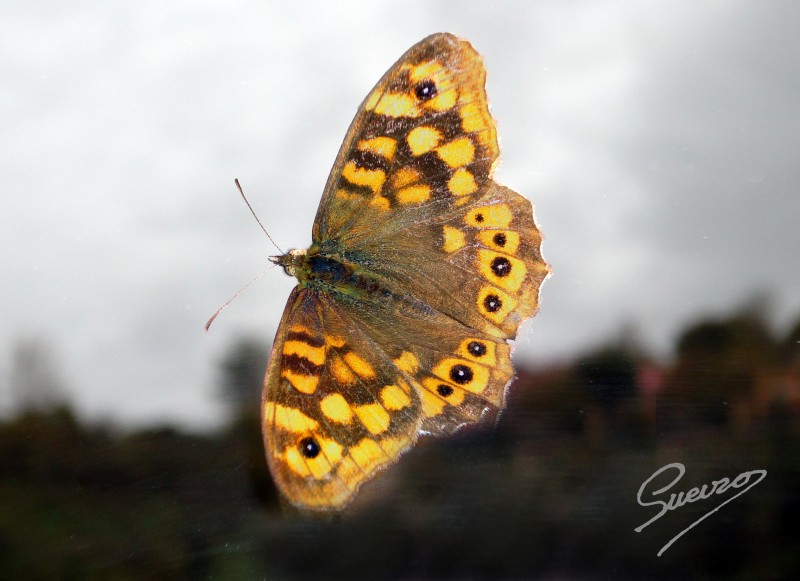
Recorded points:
(549, 491)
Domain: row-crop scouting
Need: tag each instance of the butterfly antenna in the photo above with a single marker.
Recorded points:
(241, 191)
(240, 291)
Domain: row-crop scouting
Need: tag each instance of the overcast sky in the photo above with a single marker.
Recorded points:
(659, 143)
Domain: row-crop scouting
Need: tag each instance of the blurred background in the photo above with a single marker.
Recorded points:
(659, 145)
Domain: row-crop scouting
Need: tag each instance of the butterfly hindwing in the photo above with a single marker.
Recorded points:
(458, 373)
(480, 263)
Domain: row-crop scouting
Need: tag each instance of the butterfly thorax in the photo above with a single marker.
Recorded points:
(331, 273)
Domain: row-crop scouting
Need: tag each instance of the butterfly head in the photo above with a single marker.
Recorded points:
(294, 262)
(311, 266)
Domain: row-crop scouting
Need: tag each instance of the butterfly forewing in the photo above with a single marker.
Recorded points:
(335, 407)
(422, 140)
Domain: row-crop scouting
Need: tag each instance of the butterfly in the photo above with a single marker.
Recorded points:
(420, 271)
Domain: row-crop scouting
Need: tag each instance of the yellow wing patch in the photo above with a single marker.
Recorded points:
(505, 271)
(341, 373)
(315, 355)
(462, 183)
(407, 362)
(423, 139)
(503, 240)
(405, 176)
(336, 408)
(374, 417)
(465, 374)
(394, 398)
(495, 304)
(301, 382)
(359, 365)
(458, 152)
(383, 146)
(495, 216)
(372, 178)
(414, 194)
(454, 239)
(397, 105)
(289, 419)
(317, 467)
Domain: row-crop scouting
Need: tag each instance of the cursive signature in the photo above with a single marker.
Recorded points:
(679, 499)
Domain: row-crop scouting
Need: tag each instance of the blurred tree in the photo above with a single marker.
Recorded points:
(35, 381)
(790, 347)
(241, 374)
(607, 378)
(717, 365)
(608, 375)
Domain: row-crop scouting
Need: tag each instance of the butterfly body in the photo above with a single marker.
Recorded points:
(333, 275)
(421, 268)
